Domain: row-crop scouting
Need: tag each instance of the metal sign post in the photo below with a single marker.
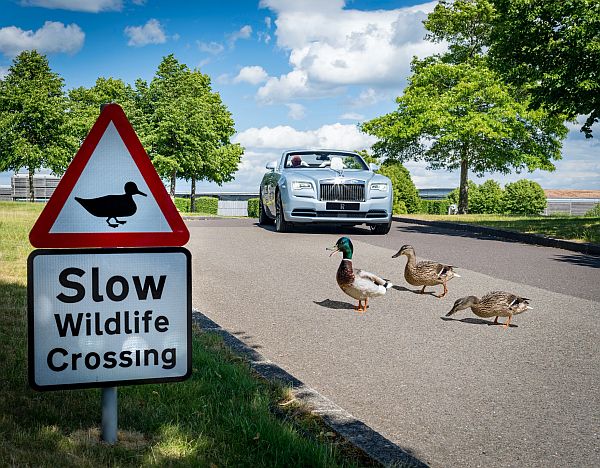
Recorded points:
(109, 415)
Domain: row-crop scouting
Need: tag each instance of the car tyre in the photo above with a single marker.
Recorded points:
(263, 218)
(381, 229)
(281, 225)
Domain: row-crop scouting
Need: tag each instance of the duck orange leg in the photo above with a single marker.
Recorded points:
(445, 291)
(507, 323)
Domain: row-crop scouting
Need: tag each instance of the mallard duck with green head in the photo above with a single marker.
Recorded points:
(425, 273)
(358, 284)
(495, 303)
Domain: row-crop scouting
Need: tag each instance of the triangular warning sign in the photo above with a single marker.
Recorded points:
(110, 195)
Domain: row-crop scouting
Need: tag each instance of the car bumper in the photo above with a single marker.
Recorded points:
(310, 210)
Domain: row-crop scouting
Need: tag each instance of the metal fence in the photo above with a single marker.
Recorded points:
(571, 206)
(233, 208)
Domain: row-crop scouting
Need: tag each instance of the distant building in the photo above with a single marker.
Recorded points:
(573, 202)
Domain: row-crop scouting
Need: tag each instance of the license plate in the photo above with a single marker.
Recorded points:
(342, 206)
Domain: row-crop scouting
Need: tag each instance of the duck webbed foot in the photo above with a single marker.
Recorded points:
(422, 291)
(116, 220)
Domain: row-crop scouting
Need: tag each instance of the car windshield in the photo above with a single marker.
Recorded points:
(346, 161)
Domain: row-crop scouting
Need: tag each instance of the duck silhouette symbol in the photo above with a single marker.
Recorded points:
(113, 206)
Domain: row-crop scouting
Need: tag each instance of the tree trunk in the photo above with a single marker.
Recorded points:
(173, 181)
(193, 196)
(31, 191)
(463, 199)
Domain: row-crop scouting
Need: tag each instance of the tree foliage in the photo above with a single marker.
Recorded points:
(462, 116)
(489, 198)
(189, 128)
(85, 104)
(406, 196)
(34, 126)
(524, 197)
(552, 47)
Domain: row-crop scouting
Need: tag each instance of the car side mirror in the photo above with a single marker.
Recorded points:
(374, 167)
(271, 165)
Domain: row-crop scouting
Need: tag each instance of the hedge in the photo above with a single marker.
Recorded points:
(207, 205)
(434, 206)
(253, 208)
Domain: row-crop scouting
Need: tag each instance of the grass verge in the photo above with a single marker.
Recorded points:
(575, 228)
(222, 416)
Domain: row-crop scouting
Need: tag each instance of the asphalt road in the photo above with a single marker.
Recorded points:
(450, 392)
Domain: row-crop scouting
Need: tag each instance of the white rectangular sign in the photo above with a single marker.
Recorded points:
(105, 317)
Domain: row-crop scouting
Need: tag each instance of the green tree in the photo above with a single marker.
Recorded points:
(524, 197)
(552, 47)
(34, 126)
(189, 128)
(462, 116)
(465, 24)
(406, 196)
(85, 105)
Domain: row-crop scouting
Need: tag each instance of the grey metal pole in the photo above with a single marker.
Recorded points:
(109, 415)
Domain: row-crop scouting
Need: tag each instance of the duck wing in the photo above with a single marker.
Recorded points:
(370, 277)
(434, 269)
(507, 301)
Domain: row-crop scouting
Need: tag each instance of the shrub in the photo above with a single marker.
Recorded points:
(594, 212)
(524, 197)
(182, 204)
(404, 189)
(253, 207)
(434, 206)
(208, 205)
(487, 198)
(399, 207)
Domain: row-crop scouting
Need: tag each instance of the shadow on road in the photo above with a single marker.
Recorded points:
(339, 305)
(414, 291)
(426, 229)
(476, 321)
(579, 260)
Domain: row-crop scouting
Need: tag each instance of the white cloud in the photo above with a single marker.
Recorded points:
(296, 111)
(52, 37)
(213, 48)
(90, 6)
(369, 48)
(336, 135)
(244, 33)
(352, 116)
(253, 75)
(295, 84)
(150, 33)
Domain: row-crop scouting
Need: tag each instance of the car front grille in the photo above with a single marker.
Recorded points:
(343, 192)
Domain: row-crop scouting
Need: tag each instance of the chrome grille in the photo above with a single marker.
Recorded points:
(342, 192)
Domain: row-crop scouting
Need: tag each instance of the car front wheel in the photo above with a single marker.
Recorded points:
(381, 229)
(281, 225)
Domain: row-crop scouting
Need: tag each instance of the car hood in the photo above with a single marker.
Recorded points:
(317, 175)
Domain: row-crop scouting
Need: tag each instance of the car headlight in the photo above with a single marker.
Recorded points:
(296, 185)
(382, 187)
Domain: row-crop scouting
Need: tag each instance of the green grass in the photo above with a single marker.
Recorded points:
(576, 228)
(222, 416)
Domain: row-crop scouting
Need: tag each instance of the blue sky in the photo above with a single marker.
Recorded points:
(293, 73)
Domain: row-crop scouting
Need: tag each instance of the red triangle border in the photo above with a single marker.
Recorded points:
(40, 235)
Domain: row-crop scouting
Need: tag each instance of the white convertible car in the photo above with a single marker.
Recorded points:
(325, 186)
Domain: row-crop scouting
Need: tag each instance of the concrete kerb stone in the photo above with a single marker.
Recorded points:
(536, 239)
(339, 420)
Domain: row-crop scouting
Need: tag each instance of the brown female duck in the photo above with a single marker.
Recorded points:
(425, 273)
(495, 303)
